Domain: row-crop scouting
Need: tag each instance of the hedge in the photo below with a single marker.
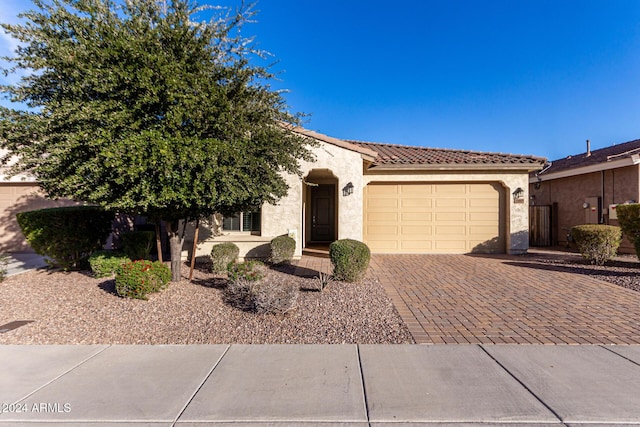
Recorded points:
(67, 235)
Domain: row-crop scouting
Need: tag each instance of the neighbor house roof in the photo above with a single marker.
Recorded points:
(612, 157)
(394, 156)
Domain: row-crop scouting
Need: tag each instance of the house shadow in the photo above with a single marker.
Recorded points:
(574, 268)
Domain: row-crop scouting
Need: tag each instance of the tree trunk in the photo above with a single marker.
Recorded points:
(175, 246)
(193, 251)
(158, 240)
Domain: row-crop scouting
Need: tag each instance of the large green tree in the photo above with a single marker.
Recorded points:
(141, 106)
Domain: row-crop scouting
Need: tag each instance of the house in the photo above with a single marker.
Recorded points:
(585, 188)
(19, 194)
(397, 199)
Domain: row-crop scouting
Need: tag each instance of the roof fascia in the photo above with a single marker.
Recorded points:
(365, 152)
(456, 166)
(603, 166)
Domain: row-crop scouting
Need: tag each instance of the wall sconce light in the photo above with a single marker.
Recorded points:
(518, 195)
(347, 190)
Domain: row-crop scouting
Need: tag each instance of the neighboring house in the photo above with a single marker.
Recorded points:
(19, 194)
(397, 199)
(584, 189)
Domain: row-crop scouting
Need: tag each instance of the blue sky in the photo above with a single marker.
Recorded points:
(528, 77)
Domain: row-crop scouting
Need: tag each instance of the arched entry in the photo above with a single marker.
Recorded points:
(321, 207)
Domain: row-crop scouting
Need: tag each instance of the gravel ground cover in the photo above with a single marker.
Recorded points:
(75, 308)
(622, 271)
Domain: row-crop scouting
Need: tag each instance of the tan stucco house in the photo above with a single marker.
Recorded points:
(585, 189)
(19, 194)
(397, 199)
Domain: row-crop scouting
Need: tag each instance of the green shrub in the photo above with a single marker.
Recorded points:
(69, 235)
(350, 259)
(136, 279)
(251, 271)
(105, 263)
(629, 220)
(4, 261)
(282, 249)
(222, 255)
(138, 244)
(596, 242)
(265, 296)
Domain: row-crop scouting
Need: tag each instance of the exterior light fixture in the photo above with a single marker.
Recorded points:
(518, 195)
(348, 189)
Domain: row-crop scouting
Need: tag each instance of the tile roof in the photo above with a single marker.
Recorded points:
(603, 155)
(391, 155)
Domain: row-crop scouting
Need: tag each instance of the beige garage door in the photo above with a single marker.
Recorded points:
(434, 218)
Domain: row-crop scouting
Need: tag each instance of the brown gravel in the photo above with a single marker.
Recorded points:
(74, 308)
(622, 271)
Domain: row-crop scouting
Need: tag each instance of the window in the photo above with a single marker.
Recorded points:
(242, 221)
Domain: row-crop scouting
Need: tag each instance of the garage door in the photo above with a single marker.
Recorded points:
(434, 218)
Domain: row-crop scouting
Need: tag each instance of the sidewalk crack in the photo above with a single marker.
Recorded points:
(538, 398)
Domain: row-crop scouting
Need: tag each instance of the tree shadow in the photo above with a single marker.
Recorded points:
(211, 282)
(29, 198)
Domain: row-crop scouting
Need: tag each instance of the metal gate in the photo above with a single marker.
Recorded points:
(540, 225)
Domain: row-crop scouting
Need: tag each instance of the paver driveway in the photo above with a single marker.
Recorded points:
(503, 299)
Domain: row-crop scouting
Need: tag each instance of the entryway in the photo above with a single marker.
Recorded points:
(321, 207)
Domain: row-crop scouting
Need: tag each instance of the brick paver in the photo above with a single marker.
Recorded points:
(505, 300)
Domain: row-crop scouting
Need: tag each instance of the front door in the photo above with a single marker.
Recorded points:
(323, 213)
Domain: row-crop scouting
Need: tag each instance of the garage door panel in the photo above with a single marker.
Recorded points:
(416, 189)
(383, 189)
(483, 216)
(416, 216)
(451, 216)
(383, 230)
(451, 203)
(451, 230)
(434, 218)
(382, 203)
(415, 231)
(417, 202)
(382, 217)
(383, 245)
(483, 203)
(447, 189)
(450, 246)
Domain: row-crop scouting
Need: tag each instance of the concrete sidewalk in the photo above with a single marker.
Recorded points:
(21, 262)
(324, 385)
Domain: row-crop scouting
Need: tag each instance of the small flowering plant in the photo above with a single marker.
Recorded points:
(251, 271)
(136, 279)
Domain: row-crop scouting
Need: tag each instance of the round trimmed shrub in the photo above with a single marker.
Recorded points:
(222, 255)
(629, 220)
(597, 242)
(282, 249)
(104, 263)
(350, 259)
(136, 279)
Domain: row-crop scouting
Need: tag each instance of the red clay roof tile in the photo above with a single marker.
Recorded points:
(391, 154)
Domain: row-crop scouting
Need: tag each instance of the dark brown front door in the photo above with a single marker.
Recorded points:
(323, 213)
